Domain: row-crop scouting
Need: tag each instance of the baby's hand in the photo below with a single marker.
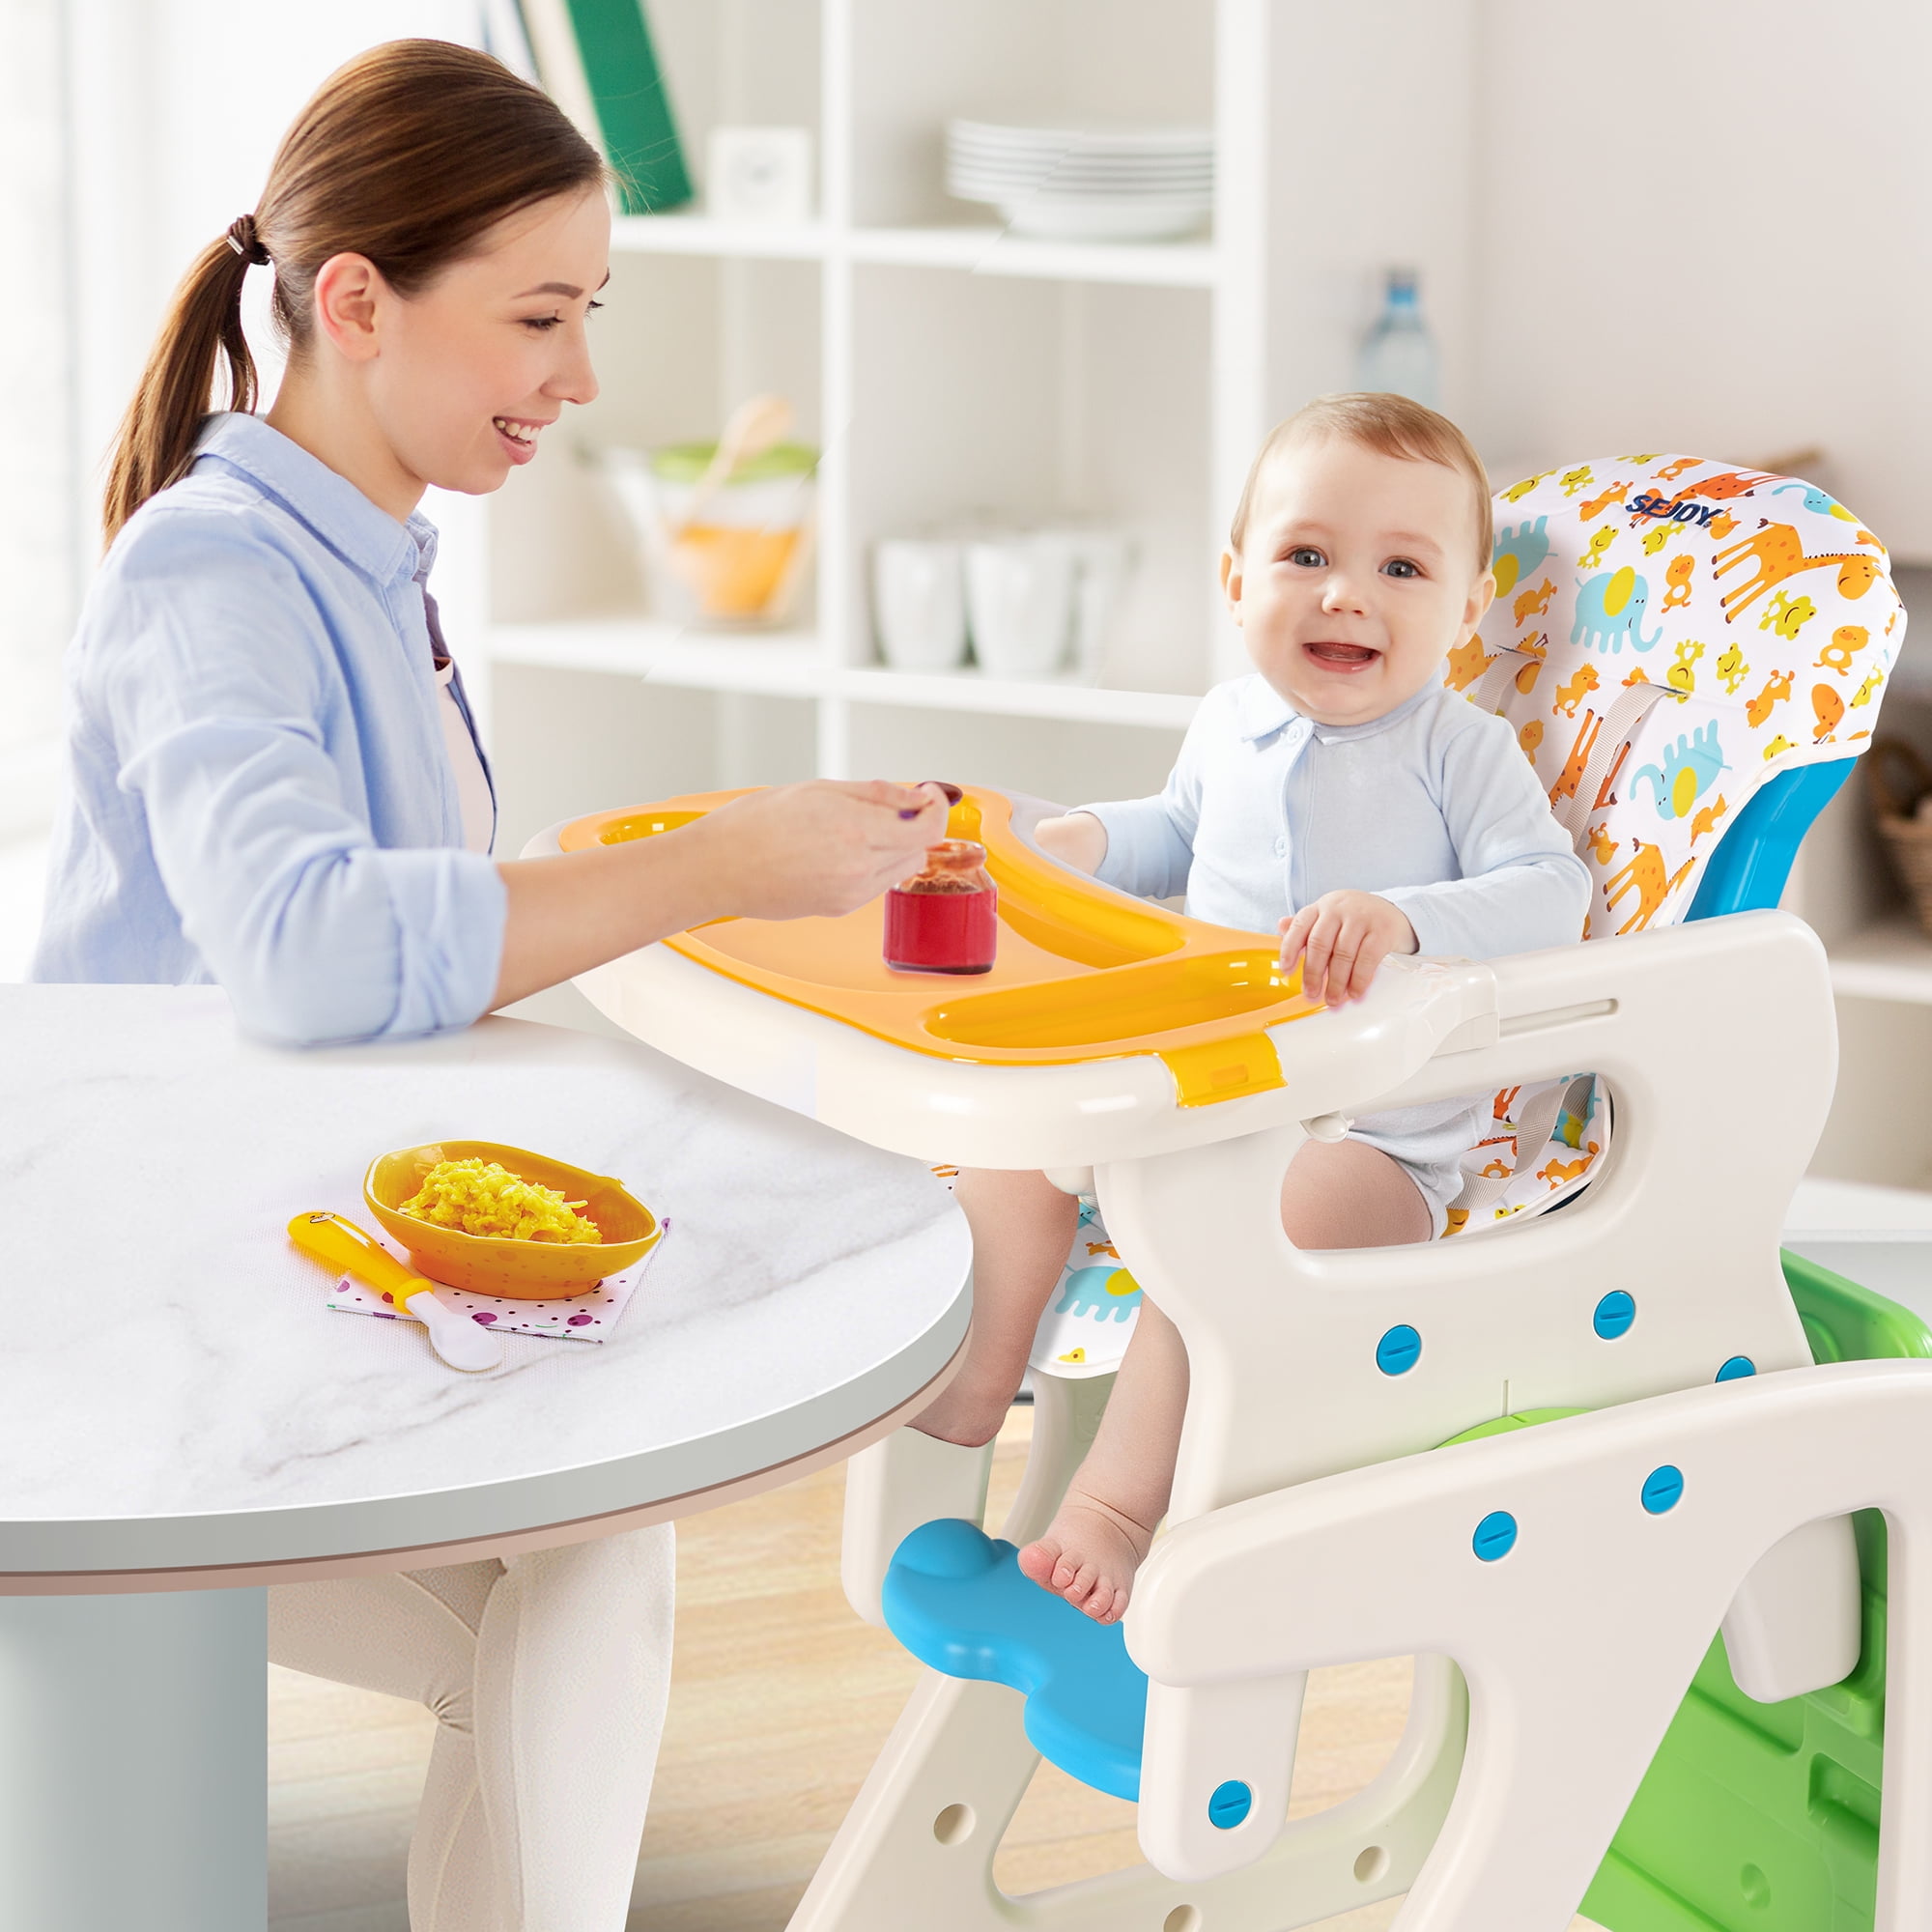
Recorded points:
(1341, 938)
(1078, 839)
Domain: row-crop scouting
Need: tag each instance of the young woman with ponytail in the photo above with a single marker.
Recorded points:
(275, 782)
(277, 789)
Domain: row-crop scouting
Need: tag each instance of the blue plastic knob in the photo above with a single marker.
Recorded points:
(1663, 1488)
(1614, 1314)
(1230, 1804)
(1399, 1350)
(1495, 1536)
(1737, 1369)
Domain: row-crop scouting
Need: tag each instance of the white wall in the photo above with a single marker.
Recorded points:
(1373, 107)
(38, 542)
(1708, 226)
(176, 107)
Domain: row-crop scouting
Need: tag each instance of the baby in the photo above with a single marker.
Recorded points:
(1341, 795)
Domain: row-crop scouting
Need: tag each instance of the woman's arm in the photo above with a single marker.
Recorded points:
(824, 847)
(209, 687)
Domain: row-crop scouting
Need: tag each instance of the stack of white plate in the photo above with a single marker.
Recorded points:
(1074, 184)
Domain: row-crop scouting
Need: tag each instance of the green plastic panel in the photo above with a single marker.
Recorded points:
(1505, 1425)
(1764, 1817)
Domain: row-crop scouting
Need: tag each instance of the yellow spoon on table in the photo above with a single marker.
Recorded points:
(342, 1245)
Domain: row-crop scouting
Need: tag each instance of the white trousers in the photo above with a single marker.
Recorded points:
(548, 1675)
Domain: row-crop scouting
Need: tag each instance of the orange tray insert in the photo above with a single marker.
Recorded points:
(1083, 973)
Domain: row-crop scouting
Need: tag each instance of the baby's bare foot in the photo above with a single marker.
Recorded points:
(968, 1414)
(1088, 1555)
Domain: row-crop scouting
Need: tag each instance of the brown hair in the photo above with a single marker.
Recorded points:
(406, 155)
(1391, 426)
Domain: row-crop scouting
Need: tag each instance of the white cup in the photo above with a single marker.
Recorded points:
(1103, 561)
(1019, 599)
(919, 604)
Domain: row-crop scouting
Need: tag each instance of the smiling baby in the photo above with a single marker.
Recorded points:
(1339, 794)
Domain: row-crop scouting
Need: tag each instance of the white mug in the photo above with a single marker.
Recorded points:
(1019, 599)
(1103, 561)
(919, 604)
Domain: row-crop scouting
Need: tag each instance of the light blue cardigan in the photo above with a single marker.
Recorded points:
(261, 796)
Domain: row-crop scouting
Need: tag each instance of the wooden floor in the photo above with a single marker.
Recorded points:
(780, 1700)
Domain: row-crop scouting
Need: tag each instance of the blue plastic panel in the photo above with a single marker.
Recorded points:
(955, 1597)
(1748, 871)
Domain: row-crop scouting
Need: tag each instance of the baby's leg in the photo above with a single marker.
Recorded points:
(1344, 1193)
(1022, 1228)
(1340, 1195)
(1097, 1540)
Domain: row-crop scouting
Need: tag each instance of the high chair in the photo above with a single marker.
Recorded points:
(1639, 1448)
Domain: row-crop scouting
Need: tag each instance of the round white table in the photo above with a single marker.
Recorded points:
(183, 1420)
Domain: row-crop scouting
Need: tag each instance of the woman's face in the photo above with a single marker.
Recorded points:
(472, 369)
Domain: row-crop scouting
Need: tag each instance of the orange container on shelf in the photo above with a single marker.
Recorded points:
(734, 559)
(517, 1271)
(1082, 972)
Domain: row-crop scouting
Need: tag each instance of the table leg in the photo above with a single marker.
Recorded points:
(133, 1762)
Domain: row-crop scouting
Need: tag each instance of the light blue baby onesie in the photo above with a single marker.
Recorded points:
(1433, 806)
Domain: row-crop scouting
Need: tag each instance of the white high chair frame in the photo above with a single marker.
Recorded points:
(1307, 1527)
(1297, 1446)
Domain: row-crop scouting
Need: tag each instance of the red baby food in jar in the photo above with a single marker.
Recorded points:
(943, 919)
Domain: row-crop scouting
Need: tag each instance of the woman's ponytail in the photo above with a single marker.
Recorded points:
(156, 440)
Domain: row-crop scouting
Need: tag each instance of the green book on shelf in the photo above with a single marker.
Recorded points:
(633, 109)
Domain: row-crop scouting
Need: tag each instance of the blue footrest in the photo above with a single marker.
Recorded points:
(955, 1597)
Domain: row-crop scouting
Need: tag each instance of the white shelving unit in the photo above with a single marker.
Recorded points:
(979, 250)
(1891, 959)
(789, 664)
(953, 377)
(1881, 1124)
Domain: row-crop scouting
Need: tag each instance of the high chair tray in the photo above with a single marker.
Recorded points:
(1082, 972)
(1107, 1028)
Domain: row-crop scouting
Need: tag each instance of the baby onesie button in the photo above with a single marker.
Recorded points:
(1281, 848)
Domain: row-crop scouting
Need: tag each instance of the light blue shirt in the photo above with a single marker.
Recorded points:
(261, 792)
(1432, 807)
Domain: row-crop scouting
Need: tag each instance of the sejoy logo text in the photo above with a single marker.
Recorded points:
(1653, 505)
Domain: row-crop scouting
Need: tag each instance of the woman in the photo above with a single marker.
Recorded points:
(278, 787)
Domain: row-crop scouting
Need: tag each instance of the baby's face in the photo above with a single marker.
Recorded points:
(1357, 577)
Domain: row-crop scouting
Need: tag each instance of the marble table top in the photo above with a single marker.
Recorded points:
(174, 1393)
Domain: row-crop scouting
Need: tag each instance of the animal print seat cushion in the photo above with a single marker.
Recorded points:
(1668, 633)
(1759, 613)
(1083, 1328)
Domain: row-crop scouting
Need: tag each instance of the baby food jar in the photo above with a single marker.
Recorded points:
(944, 920)
(738, 561)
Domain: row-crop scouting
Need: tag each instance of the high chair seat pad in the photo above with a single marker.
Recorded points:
(1094, 1307)
(955, 1597)
(1668, 633)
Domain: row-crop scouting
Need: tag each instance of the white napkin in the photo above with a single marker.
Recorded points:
(581, 1318)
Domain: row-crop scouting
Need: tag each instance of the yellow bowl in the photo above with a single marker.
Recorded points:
(495, 1264)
